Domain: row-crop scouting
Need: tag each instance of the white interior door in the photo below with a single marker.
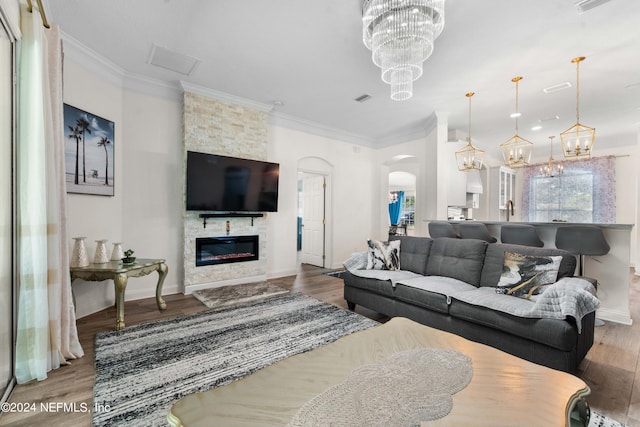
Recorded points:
(313, 220)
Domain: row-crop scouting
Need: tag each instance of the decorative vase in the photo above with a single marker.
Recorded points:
(101, 256)
(117, 253)
(79, 256)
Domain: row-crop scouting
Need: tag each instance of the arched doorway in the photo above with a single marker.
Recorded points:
(402, 198)
(314, 212)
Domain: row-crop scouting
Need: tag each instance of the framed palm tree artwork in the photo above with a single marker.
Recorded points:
(89, 149)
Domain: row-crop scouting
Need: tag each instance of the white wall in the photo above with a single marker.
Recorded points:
(145, 211)
(423, 163)
(96, 217)
(352, 190)
(152, 184)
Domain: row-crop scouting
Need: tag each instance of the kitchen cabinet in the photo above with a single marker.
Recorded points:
(503, 189)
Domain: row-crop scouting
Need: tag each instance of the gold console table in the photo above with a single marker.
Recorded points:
(120, 273)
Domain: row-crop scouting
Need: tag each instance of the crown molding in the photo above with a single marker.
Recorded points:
(308, 126)
(91, 60)
(419, 130)
(112, 73)
(225, 97)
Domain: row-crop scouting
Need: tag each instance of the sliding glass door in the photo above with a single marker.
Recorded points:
(7, 293)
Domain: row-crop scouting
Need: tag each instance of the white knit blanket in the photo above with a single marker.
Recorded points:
(357, 264)
(569, 296)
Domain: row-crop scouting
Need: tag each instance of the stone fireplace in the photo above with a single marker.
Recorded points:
(212, 125)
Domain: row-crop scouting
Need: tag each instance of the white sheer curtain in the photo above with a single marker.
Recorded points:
(46, 334)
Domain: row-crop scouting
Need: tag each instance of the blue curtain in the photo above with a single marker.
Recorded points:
(395, 208)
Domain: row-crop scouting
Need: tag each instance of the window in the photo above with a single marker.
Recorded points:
(566, 198)
(585, 193)
(409, 209)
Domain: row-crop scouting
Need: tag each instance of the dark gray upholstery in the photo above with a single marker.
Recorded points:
(456, 258)
(414, 252)
(582, 240)
(475, 230)
(494, 260)
(520, 234)
(441, 229)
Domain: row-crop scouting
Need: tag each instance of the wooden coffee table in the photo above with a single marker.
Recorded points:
(120, 273)
(504, 391)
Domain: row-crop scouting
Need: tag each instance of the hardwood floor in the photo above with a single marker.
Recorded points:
(610, 368)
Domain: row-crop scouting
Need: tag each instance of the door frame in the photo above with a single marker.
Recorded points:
(6, 393)
(319, 166)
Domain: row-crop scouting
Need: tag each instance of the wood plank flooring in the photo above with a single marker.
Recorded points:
(610, 369)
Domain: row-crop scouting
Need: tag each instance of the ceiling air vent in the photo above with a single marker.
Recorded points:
(363, 98)
(585, 5)
(174, 61)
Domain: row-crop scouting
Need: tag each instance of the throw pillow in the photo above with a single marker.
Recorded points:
(383, 255)
(523, 275)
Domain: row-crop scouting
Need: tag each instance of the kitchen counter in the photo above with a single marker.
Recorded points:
(553, 223)
(612, 270)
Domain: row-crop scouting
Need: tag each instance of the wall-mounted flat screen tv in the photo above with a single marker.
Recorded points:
(230, 184)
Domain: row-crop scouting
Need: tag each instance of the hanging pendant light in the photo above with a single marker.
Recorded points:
(516, 151)
(577, 141)
(400, 35)
(469, 157)
(552, 168)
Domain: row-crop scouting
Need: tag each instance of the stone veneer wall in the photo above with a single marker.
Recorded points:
(216, 127)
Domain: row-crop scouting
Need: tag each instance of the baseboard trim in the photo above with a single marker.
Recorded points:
(614, 316)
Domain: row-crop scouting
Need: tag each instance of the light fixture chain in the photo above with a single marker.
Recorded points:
(517, 111)
(578, 91)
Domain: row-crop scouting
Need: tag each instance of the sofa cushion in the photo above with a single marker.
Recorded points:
(414, 252)
(460, 259)
(432, 292)
(494, 260)
(523, 275)
(383, 255)
(559, 334)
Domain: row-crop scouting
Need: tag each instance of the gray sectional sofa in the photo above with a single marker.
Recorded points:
(450, 284)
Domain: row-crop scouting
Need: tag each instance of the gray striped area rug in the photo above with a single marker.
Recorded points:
(142, 370)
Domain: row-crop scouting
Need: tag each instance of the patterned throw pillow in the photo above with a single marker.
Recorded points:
(523, 275)
(383, 256)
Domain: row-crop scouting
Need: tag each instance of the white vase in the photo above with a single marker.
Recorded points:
(101, 256)
(79, 256)
(117, 254)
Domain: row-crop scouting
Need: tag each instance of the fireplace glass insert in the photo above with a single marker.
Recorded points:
(227, 249)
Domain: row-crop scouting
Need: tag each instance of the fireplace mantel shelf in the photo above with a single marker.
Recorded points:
(251, 215)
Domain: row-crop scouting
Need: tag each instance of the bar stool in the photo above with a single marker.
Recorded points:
(441, 229)
(520, 234)
(475, 230)
(582, 240)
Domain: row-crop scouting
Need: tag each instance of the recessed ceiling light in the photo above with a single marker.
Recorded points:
(549, 119)
(514, 115)
(556, 88)
(536, 127)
